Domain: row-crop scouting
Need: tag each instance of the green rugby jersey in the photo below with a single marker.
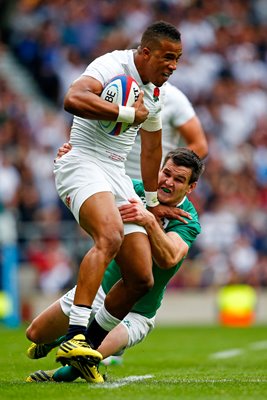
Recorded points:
(149, 303)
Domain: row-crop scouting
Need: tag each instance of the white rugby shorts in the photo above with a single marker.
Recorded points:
(137, 325)
(79, 176)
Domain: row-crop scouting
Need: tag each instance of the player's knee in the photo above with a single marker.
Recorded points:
(32, 333)
(148, 283)
(143, 284)
(110, 243)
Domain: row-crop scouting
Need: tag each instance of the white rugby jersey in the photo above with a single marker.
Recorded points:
(176, 111)
(87, 134)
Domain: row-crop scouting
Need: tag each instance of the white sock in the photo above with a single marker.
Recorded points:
(79, 315)
(105, 319)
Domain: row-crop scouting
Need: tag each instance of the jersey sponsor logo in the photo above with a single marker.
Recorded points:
(115, 157)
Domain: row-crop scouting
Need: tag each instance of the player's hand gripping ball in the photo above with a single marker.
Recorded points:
(122, 90)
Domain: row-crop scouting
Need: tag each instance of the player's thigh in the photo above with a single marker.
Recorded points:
(48, 325)
(99, 216)
(135, 258)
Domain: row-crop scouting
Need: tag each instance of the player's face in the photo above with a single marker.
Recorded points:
(174, 183)
(162, 62)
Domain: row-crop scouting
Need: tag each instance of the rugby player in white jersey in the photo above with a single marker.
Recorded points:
(91, 181)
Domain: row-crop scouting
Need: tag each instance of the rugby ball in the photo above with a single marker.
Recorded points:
(122, 90)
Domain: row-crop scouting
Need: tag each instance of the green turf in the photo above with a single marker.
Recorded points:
(182, 363)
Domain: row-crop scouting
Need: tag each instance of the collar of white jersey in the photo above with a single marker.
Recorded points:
(133, 69)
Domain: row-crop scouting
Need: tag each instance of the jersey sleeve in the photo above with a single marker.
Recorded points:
(188, 232)
(153, 123)
(182, 109)
(103, 68)
(154, 104)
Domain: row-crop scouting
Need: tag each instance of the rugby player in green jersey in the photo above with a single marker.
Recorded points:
(170, 241)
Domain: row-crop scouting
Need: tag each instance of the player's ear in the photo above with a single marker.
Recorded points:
(191, 187)
(146, 52)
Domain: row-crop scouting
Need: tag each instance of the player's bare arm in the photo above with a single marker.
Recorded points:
(194, 136)
(167, 248)
(151, 154)
(83, 100)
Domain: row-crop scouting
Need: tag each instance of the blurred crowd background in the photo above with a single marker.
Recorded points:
(45, 45)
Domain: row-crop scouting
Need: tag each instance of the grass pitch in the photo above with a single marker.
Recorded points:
(179, 362)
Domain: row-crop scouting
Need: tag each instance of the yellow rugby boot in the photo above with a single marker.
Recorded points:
(36, 351)
(41, 376)
(88, 371)
(77, 349)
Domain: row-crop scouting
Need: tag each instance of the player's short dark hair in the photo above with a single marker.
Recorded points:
(157, 31)
(182, 156)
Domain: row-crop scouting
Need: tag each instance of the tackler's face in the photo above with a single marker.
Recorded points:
(162, 61)
(174, 183)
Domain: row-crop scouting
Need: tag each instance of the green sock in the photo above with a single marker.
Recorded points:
(66, 374)
(59, 340)
(55, 343)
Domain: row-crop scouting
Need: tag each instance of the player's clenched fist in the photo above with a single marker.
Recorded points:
(141, 112)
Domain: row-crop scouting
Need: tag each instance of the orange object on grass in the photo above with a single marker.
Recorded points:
(236, 304)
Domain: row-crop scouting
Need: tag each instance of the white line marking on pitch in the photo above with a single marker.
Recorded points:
(256, 380)
(258, 345)
(227, 354)
(122, 382)
(237, 352)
